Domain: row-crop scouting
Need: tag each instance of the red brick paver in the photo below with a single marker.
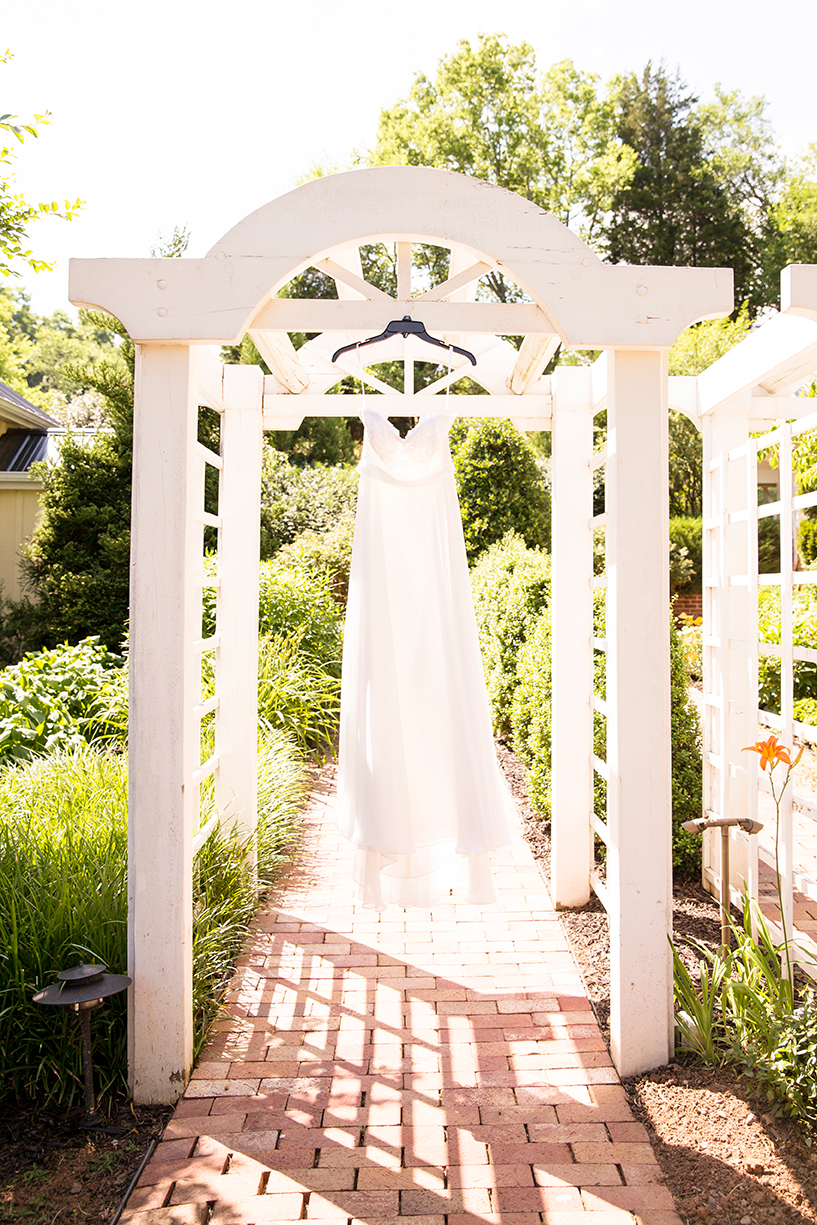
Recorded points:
(443, 1066)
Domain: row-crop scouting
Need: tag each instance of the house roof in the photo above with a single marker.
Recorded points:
(19, 411)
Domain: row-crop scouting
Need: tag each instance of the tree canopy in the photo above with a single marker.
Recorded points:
(16, 213)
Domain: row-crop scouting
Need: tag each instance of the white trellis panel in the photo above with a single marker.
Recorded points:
(572, 631)
(750, 387)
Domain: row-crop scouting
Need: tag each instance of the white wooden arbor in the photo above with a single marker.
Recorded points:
(744, 404)
(175, 310)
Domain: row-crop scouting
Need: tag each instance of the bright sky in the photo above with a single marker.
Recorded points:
(171, 112)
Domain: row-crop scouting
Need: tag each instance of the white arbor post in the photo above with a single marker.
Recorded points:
(639, 853)
(729, 634)
(572, 632)
(237, 617)
(163, 743)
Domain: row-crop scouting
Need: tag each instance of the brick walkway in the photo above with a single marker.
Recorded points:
(440, 1066)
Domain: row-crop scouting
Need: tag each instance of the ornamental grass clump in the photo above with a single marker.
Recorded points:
(63, 898)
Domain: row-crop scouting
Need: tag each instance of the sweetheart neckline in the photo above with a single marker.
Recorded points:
(414, 428)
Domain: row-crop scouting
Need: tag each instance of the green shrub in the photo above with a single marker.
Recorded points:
(531, 727)
(690, 639)
(511, 587)
(768, 545)
(807, 541)
(293, 600)
(327, 554)
(63, 898)
(805, 711)
(686, 532)
(76, 564)
(296, 499)
(501, 489)
(804, 634)
(55, 699)
(687, 763)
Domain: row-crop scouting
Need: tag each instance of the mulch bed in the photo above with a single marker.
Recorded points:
(52, 1170)
(725, 1160)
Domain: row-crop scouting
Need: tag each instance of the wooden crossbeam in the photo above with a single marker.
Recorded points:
(281, 356)
(534, 355)
(370, 292)
(444, 290)
(441, 318)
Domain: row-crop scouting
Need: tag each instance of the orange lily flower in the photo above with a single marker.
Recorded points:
(771, 753)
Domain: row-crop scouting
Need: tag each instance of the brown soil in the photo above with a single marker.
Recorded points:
(724, 1159)
(55, 1171)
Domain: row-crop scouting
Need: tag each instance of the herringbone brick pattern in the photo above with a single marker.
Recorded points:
(442, 1066)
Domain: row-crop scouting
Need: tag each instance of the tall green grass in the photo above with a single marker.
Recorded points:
(63, 898)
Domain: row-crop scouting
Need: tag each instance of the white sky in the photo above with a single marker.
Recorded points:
(169, 112)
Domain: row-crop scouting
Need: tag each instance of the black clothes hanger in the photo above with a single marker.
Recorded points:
(406, 327)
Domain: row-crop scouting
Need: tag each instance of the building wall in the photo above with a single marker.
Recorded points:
(19, 511)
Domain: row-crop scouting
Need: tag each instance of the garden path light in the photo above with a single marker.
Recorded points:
(697, 826)
(83, 989)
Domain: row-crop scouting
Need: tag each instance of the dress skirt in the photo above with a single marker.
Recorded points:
(419, 789)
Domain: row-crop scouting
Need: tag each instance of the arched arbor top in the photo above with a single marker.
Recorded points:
(578, 299)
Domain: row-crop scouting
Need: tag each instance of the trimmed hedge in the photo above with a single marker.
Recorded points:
(511, 587)
(500, 485)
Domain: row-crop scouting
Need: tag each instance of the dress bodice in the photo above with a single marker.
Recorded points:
(423, 452)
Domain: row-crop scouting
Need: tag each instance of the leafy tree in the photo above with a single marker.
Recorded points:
(794, 223)
(76, 564)
(488, 114)
(15, 346)
(674, 210)
(16, 213)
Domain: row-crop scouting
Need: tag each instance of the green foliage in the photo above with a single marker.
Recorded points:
(807, 541)
(674, 209)
(298, 692)
(531, 724)
(327, 554)
(681, 570)
(295, 499)
(76, 565)
(690, 639)
(16, 214)
(686, 532)
(687, 765)
(702, 344)
(54, 700)
(489, 114)
(804, 634)
(501, 489)
(793, 238)
(511, 587)
(742, 1013)
(805, 711)
(63, 898)
(293, 601)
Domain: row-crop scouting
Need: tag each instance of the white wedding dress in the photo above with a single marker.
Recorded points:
(419, 789)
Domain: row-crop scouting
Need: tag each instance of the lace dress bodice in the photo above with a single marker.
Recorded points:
(422, 453)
